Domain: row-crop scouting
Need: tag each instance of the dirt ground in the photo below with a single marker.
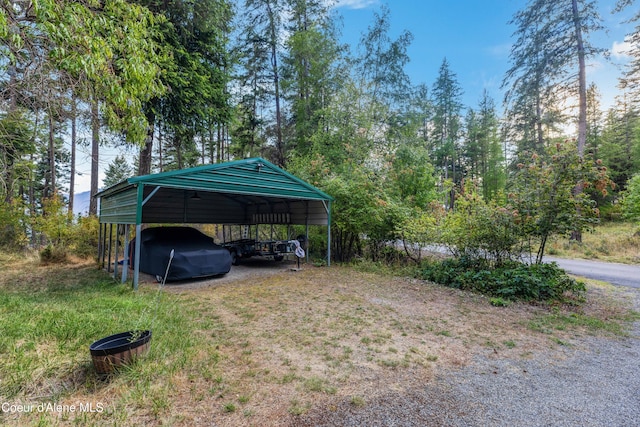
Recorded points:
(252, 268)
(292, 342)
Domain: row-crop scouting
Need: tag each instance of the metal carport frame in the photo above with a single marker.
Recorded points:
(237, 192)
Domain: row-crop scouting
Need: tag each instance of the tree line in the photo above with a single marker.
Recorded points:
(191, 83)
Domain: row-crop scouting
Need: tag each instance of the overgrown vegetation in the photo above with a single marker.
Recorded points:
(510, 281)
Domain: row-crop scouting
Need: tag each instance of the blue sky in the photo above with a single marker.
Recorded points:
(475, 37)
(472, 34)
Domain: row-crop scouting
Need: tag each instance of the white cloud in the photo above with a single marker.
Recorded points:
(621, 50)
(500, 50)
(355, 4)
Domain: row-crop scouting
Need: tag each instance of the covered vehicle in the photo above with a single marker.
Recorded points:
(195, 253)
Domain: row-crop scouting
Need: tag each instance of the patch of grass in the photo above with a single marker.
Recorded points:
(318, 385)
(561, 321)
(610, 241)
(358, 401)
(298, 408)
(49, 315)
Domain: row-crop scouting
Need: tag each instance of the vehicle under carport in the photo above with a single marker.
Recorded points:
(250, 191)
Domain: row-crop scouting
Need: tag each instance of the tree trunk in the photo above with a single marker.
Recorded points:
(95, 143)
(72, 179)
(582, 101)
(144, 166)
(52, 160)
(276, 86)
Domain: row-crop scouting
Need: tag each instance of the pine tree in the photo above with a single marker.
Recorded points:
(117, 171)
(548, 64)
(445, 137)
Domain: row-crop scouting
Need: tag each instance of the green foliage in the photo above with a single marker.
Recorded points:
(114, 48)
(511, 281)
(12, 227)
(117, 171)
(358, 209)
(548, 193)
(631, 201)
(412, 176)
(65, 235)
(420, 229)
(477, 229)
(54, 224)
(84, 236)
(51, 254)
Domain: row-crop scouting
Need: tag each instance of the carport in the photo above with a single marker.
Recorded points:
(250, 191)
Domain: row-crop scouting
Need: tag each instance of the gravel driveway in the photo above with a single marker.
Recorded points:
(594, 382)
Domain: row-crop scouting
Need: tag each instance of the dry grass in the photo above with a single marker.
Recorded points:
(611, 241)
(294, 341)
(271, 348)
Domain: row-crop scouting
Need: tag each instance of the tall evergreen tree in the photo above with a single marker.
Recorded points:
(117, 171)
(620, 147)
(631, 78)
(263, 32)
(483, 150)
(549, 61)
(196, 34)
(310, 70)
(382, 62)
(445, 136)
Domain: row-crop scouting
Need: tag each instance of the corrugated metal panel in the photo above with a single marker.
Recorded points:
(228, 193)
(120, 208)
(249, 177)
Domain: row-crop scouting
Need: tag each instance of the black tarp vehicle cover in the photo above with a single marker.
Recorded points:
(196, 255)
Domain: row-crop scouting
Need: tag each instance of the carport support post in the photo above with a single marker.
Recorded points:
(329, 235)
(136, 256)
(125, 261)
(115, 262)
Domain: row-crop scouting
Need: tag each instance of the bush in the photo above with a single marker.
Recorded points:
(511, 281)
(12, 232)
(84, 236)
(53, 254)
(482, 230)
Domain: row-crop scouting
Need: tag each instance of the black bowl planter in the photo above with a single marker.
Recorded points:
(120, 349)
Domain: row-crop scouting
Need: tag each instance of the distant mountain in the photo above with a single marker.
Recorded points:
(81, 203)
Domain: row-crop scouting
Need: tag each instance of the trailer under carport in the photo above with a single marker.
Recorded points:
(250, 191)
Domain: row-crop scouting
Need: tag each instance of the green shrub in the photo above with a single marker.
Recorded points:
(12, 230)
(510, 281)
(84, 236)
(53, 254)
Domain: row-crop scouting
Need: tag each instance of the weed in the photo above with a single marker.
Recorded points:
(358, 401)
(499, 302)
(298, 408)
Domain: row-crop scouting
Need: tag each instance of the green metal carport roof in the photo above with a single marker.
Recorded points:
(249, 191)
